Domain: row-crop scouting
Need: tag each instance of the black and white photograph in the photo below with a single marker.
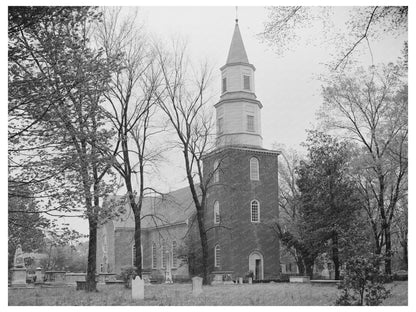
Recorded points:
(221, 154)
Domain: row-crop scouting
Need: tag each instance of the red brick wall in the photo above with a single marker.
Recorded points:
(235, 191)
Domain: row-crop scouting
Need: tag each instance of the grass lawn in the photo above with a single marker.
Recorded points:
(279, 294)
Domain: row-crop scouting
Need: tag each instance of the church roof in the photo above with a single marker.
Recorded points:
(174, 207)
(237, 52)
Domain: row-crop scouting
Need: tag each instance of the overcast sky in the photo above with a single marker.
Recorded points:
(286, 84)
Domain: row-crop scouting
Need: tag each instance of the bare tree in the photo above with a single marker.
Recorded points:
(370, 107)
(366, 23)
(185, 103)
(131, 107)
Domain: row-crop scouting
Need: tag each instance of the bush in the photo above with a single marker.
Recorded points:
(127, 274)
(363, 282)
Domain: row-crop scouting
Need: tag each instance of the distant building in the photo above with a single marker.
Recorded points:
(241, 203)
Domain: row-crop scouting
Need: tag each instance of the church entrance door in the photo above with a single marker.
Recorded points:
(255, 265)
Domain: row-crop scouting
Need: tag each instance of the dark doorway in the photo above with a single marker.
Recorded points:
(258, 269)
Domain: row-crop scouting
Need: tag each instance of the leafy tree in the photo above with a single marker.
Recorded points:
(329, 199)
(25, 226)
(57, 60)
(363, 282)
(370, 107)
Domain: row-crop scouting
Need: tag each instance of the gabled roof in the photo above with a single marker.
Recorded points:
(172, 208)
(237, 52)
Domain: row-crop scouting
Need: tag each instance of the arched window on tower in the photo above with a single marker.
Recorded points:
(216, 171)
(217, 257)
(255, 211)
(217, 217)
(254, 169)
(224, 84)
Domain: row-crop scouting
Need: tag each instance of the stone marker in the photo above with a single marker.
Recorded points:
(39, 275)
(19, 269)
(137, 288)
(240, 280)
(250, 280)
(196, 285)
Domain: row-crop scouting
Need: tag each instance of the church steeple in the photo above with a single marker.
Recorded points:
(237, 52)
(238, 111)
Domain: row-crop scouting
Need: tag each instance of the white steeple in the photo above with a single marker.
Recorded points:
(238, 111)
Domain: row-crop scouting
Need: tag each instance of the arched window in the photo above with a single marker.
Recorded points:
(217, 217)
(174, 255)
(164, 254)
(255, 211)
(254, 169)
(154, 256)
(216, 171)
(217, 256)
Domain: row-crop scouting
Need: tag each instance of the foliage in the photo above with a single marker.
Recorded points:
(369, 107)
(363, 282)
(127, 274)
(329, 198)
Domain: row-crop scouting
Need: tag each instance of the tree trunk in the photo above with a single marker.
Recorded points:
(387, 236)
(301, 266)
(92, 261)
(309, 267)
(405, 257)
(204, 246)
(335, 254)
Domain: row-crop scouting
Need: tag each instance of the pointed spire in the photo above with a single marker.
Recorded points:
(237, 53)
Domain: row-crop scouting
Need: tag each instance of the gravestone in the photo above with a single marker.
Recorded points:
(19, 270)
(250, 280)
(196, 285)
(19, 261)
(137, 288)
(39, 275)
(240, 280)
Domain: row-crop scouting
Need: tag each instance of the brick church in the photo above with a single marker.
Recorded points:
(241, 203)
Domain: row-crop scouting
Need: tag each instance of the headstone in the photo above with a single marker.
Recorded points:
(19, 269)
(168, 272)
(196, 285)
(39, 275)
(19, 261)
(137, 288)
(240, 280)
(250, 280)
(19, 277)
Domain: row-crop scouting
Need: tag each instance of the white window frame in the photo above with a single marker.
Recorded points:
(217, 255)
(249, 82)
(154, 256)
(163, 252)
(174, 255)
(254, 201)
(224, 84)
(254, 169)
(251, 126)
(217, 212)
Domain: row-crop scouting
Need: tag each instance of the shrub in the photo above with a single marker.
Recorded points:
(127, 274)
(363, 282)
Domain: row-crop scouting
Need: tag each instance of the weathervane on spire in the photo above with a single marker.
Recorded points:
(236, 14)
